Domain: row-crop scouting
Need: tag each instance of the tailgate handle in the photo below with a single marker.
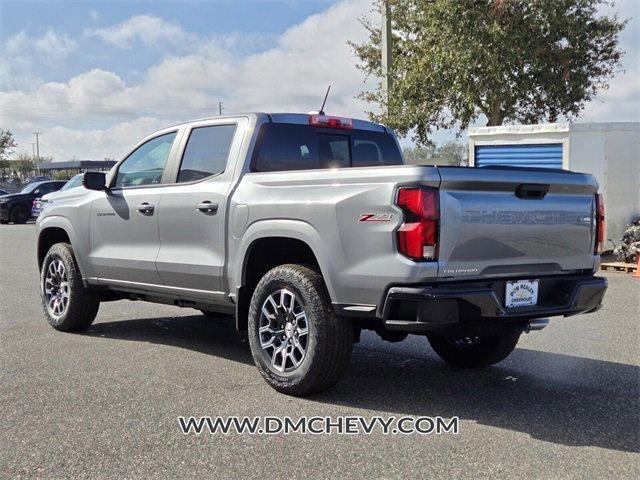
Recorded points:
(531, 191)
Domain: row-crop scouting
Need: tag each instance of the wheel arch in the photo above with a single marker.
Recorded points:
(285, 241)
(52, 230)
(20, 204)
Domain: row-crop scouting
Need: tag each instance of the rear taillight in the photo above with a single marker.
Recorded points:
(599, 246)
(418, 235)
(330, 122)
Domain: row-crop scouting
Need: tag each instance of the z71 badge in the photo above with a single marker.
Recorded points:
(375, 217)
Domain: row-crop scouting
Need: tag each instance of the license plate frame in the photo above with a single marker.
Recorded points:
(521, 293)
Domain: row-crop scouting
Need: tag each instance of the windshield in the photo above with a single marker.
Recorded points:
(75, 181)
(30, 187)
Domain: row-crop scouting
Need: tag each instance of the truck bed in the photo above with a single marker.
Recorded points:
(494, 223)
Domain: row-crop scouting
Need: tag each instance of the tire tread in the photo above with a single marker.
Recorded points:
(83, 302)
(334, 335)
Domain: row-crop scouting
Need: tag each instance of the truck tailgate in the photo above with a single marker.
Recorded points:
(502, 221)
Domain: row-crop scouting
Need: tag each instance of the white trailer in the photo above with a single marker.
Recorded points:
(609, 151)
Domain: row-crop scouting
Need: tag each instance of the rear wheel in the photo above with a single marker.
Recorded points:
(474, 351)
(67, 304)
(19, 214)
(297, 342)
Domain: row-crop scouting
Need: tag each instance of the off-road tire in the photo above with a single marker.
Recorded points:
(19, 214)
(488, 350)
(329, 340)
(83, 303)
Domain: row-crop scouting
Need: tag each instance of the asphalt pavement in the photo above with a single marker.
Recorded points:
(104, 403)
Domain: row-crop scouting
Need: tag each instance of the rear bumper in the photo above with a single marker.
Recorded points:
(467, 306)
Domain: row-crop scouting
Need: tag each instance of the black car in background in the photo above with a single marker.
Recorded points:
(16, 207)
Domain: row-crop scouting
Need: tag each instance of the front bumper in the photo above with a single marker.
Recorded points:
(470, 306)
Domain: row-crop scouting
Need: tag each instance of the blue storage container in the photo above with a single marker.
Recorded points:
(535, 155)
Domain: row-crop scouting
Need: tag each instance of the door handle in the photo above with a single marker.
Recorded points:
(207, 207)
(145, 208)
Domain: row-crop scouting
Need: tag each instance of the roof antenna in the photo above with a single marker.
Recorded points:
(321, 112)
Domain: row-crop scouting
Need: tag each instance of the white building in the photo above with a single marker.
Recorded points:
(609, 151)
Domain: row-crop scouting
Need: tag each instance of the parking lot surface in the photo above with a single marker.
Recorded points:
(104, 403)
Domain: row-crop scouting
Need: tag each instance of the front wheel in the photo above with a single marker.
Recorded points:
(297, 342)
(19, 214)
(67, 304)
(474, 351)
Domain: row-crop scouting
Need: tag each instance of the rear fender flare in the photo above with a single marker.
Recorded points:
(295, 229)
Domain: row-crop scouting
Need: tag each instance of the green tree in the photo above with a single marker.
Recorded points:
(522, 61)
(24, 164)
(419, 154)
(451, 153)
(7, 144)
(63, 174)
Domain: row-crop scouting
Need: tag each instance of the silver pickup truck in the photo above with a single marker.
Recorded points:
(309, 228)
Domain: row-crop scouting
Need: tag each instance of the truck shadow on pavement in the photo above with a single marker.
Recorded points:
(557, 398)
(216, 337)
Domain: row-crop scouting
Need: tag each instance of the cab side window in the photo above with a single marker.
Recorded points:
(145, 165)
(206, 152)
(45, 188)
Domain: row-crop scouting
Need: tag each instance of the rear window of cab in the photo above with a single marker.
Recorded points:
(287, 147)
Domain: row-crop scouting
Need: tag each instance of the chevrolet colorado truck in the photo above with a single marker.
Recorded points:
(310, 228)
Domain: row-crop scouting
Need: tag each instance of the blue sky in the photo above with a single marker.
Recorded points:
(265, 19)
(95, 77)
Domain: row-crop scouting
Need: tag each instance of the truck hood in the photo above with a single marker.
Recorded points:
(15, 197)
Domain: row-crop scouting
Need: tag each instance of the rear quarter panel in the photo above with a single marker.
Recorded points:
(358, 259)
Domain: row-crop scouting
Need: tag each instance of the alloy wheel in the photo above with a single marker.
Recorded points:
(56, 288)
(283, 330)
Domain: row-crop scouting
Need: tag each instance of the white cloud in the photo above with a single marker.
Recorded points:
(620, 102)
(149, 29)
(294, 75)
(98, 114)
(291, 76)
(15, 43)
(94, 14)
(50, 46)
(22, 53)
(54, 46)
(95, 144)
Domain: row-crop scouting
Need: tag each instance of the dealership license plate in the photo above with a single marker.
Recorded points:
(521, 293)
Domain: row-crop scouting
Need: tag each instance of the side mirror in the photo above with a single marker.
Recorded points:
(95, 181)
